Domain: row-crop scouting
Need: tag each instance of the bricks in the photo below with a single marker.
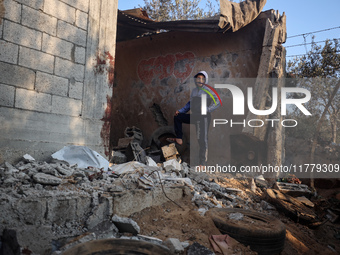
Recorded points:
(8, 52)
(71, 33)
(81, 19)
(67, 69)
(79, 55)
(16, 76)
(36, 4)
(7, 95)
(22, 35)
(51, 84)
(38, 20)
(76, 90)
(60, 10)
(78, 4)
(36, 60)
(12, 10)
(31, 100)
(56, 46)
(66, 106)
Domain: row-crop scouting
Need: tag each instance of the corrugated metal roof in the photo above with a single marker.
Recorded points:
(136, 23)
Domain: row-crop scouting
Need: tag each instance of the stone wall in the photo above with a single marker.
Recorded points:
(55, 60)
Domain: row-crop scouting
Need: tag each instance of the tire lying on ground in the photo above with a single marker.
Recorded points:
(263, 233)
(117, 247)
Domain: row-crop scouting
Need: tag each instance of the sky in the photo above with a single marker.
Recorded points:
(303, 17)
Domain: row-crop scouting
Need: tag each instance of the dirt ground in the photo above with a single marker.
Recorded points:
(170, 221)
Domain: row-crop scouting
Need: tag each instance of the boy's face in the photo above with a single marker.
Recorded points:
(200, 80)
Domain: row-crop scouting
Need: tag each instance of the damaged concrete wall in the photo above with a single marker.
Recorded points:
(158, 69)
(56, 66)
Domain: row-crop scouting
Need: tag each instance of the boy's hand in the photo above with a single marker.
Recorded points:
(176, 113)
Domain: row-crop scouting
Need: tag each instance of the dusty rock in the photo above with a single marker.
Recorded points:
(126, 225)
(174, 245)
(46, 179)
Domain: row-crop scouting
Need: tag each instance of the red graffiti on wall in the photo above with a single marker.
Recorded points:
(180, 65)
(105, 132)
(105, 63)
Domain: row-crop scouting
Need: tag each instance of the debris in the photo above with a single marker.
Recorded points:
(292, 189)
(252, 185)
(28, 158)
(9, 242)
(174, 245)
(170, 152)
(235, 216)
(172, 163)
(305, 201)
(46, 179)
(332, 216)
(150, 161)
(135, 133)
(133, 166)
(118, 157)
(261, 181)
(198, 249)
(145, 182)
(125, 225)
(81, 156)
(134, 152)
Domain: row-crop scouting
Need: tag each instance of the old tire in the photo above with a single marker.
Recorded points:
(264, 240)
(117, 247)
(159, 138)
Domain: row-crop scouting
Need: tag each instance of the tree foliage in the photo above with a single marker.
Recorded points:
(169, 10)
(322, 65)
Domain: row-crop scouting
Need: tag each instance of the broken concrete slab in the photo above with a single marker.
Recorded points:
(125, 225)
(46, 179)
(172, 163)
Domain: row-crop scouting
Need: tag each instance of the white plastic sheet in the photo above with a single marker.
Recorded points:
(82, 156)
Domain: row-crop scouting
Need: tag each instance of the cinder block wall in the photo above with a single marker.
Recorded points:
(55, 89)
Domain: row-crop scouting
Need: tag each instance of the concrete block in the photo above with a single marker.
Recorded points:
(36, 60)
(16, 76)
(71, 33)
(79, 55)
(61, 209)
(51, 84)
(21, 35)
(76, 90)
(8, 52)
(38, 20)
(83, 205)
(7, 95)
(31, 100)
(31, 211)
(101, 213)
(28, 236)
(82, 5)
(60, 10)
(66, 106)
(36, 4)
(12, 10)
(67, 69)
(126, 225)
(81, 19)
(57, 47)
(170, 151)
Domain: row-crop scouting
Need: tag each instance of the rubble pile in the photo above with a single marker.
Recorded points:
(51, 207)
